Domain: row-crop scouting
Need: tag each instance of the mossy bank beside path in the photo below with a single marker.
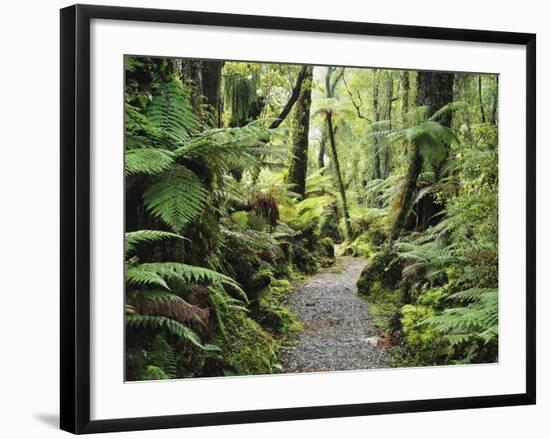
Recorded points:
(338, 333)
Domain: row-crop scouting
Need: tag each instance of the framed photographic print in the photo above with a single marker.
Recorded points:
(268, 218)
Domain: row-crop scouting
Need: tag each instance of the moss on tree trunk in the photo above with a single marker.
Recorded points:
(300, 134)
(434, 90)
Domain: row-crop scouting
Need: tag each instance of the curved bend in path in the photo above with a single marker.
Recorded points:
(338, 332)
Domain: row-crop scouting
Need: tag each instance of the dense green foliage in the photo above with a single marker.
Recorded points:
(228, 201)
(208, 254)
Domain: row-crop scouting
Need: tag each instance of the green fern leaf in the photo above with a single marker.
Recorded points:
(177, 197)
(137, 275)
(132, 239)
(158, 273)
(170, 111)
(148, 161)
(159, 322)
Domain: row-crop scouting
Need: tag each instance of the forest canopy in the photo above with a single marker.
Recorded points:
(245, 181)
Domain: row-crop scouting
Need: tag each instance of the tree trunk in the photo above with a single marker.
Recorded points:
(404, 87)
(300, 133)
(330, 88)
(494, 105)
(293, 97)
(376, 118)
(190, 73)
(322, 149)
(442, 85)
(211, 79)
(481, 109)
(341, 188)
(407, 194)
(434, 90)
(389, 98)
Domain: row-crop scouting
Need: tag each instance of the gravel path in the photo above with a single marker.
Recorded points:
(338, 333)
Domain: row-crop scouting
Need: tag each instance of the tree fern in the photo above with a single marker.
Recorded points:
(430, 137)
(163, 138)
(432, 140)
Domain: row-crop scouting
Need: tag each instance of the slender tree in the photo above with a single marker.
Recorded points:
(404, 90)
(331, 81)
(341, 187)
(480, 97)
(386, 155)
(376, 118)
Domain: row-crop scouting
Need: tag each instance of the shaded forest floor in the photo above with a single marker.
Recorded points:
(338, 333)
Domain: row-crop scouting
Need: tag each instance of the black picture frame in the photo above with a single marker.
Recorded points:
(75, 217)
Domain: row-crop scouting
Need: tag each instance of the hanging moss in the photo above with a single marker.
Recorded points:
(241, 92)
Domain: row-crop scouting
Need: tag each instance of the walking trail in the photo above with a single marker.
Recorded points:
(338, 332)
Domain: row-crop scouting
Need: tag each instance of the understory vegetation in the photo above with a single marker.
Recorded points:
(242, 177)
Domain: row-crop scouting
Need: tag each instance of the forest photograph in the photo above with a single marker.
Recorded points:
(284, 218)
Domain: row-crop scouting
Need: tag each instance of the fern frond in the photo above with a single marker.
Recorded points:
(137, 275)
(283, 232)
(158, 323)
(453, 106)
(177, 197)
(319, 183)
(158, 273)
(132, 239)
(478, 319)
(440, 132)
(253, 240)
(471, 295)
(417, 115)
(148, 161)
(170, 111)
(163, 303)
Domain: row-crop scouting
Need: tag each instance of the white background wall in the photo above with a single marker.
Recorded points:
(29, 200)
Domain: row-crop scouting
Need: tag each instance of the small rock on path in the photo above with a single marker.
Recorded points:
(338, 332)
